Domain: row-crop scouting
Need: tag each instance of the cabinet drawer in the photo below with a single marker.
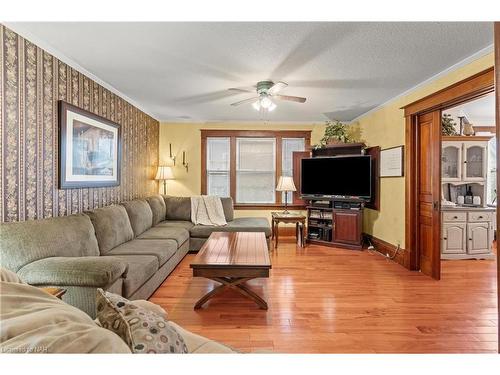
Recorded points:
(454, 216)
(480, 216)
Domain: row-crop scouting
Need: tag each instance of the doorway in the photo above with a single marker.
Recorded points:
(468, 185)
(423, 163)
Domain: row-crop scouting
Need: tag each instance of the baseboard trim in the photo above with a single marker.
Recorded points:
(384, 248)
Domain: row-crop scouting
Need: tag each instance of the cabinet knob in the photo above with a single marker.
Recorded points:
(455, 217)
(445, 238)
(470, 239)
(480, 217)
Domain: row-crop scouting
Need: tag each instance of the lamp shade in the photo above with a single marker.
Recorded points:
(164, 173)
(285, 183)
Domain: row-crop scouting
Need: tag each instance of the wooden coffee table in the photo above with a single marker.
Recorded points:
(232, 259)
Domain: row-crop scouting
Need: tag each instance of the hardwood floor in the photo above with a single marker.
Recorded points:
(327, 300)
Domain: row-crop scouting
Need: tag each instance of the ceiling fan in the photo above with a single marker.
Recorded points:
(266, 92)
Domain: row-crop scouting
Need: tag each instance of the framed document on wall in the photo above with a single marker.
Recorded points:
(391, 162)
(89, 149)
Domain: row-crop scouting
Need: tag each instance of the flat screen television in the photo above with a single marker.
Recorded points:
(348, 176)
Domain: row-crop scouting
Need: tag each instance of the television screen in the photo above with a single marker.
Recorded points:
(340, 176)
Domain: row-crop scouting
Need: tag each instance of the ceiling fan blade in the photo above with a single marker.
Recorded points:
(249, 100)
(277, 87)
(240, 90)
(297, 99)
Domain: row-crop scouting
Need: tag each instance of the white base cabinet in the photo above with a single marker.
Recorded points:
(454, 238)
(467, 234)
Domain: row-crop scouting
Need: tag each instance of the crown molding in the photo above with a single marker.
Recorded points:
(20, 30)
(243, 122)
(467, 60)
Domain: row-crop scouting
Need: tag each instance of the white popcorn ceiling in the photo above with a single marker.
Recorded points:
(181, 71)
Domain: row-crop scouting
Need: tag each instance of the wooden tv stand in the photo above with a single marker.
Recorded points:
(335, 222)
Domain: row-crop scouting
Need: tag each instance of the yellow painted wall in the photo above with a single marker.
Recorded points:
(186, 137)
(385, 127)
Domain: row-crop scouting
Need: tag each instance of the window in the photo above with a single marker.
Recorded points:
(218, 166)
(255, 170)
(288, 146)
(246, 164)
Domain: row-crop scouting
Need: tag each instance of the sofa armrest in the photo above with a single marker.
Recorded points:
(73, 271)
(228, 207)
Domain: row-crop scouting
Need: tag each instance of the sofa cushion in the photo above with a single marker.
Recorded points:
(9, 276)
(161, 249)
(112, 226)
(201, 345)
(240, 224)
(140, 269)
(140, 215)
(33, 321)
(84, 271)
(158, 208)
(178, 208)
(227, 206)
(180, 235)
(24, 242)
(143, 330)
(176, 224)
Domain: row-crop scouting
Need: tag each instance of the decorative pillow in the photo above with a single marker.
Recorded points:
(143, 330)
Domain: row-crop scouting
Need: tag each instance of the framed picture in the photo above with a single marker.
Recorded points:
(391, 162)
(89, 149)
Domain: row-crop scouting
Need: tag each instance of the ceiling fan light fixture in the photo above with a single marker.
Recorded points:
(256, 105)
(265, 102)
(272, 107)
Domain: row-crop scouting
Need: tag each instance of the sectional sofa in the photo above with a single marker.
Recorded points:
(128, 249)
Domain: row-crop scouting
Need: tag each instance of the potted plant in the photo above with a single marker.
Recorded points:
(448, 125)
(335, 132)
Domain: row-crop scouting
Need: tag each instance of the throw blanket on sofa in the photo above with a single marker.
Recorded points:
(207, 210)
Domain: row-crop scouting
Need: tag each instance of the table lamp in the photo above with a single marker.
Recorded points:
(286, 184)
(164, 173)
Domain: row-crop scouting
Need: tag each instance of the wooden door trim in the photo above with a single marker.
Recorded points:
(468, 89)
(473, 87)
(497, 108)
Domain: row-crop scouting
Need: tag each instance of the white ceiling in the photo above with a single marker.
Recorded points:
(181, 71)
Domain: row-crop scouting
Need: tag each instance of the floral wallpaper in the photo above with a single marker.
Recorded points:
(31, 83)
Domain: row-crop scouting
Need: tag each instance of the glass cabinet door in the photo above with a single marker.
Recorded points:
(475, 162)
(450, 162)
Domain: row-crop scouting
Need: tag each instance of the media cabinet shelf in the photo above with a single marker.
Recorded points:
(346, 216)
(319, 208)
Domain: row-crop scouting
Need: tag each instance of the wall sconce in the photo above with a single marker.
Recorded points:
(171, 155)
(184, 162)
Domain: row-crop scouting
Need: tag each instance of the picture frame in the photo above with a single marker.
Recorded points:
(89, 149)
(392, 162)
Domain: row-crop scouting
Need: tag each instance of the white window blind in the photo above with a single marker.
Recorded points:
(218, 166)
(255, 170)
(288, 146)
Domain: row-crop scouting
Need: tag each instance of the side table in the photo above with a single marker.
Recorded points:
(290, 217)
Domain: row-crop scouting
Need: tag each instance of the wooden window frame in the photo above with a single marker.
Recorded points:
(232, 135)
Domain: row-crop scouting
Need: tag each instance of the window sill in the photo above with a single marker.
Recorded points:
(250, 206)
